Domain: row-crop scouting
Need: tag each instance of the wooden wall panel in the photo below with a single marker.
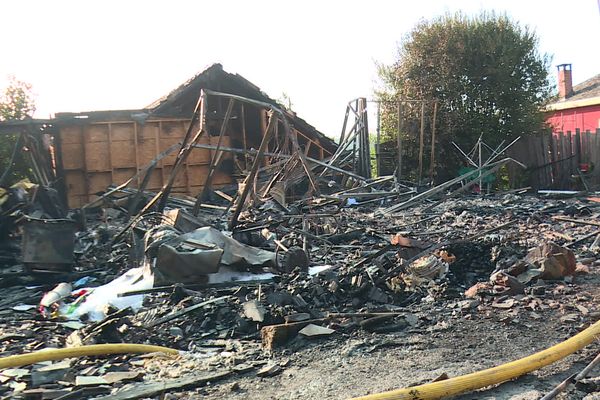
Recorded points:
(155, 182)
(172, 129)
(122, 154)
(96, 133)
(196, 190)
(77, 201)
(165, 143)
(198, 174)
(74, 158)
(226, 142)
(75, 182)
(122, 175)
(181, 191)
(200, 156)
(149, 130)
(71, 134)
(122, 145)
(222, 178)
(147, 151)
(122, 132)
(99, 181)
(97, 156)
(181, 178)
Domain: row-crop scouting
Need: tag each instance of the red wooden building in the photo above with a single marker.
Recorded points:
(578, 107)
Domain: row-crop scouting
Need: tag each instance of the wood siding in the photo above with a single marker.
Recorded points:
(553, 160)
(99, 154)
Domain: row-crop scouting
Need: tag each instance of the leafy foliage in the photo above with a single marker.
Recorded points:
(16, 103)
(485, 72)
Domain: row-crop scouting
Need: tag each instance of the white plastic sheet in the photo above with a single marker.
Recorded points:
(99, 297)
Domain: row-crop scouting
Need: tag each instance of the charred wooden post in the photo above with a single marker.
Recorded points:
(432, 158)
(399, 138)
(377, 154)
(250, 178)
(186, 147)
(215, 159)
(421, 141)
(364, 145)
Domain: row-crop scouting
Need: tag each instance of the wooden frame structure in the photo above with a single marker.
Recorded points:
(286, 146)
(356, 138)
(104, 148)
(401, 106)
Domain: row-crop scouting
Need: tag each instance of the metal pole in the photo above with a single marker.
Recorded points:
(421, 141)
(432, 158)
(399, 167)
(480, 164)
(377, 160)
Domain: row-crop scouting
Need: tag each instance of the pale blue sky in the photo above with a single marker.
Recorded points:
(95, 55)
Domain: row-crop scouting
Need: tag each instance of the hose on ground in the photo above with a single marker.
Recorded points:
(90, 350)
(492, 376)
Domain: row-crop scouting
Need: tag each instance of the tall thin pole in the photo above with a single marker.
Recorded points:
(480, 164)
(377, 160)
(421, 141)
(432, 161)
(367, 145)
(399, 167)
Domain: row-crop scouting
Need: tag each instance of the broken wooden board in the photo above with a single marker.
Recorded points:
(254, 310)
(149, 389)
(312, 330)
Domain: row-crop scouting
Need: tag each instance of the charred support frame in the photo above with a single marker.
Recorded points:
(358, 137)
(276, 116)
(186, 146)
(250, 178)
(215, 159)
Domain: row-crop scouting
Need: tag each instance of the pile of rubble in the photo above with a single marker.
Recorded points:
(233, 301)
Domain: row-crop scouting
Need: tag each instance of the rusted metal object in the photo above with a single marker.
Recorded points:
(48, 244)
(294, 258)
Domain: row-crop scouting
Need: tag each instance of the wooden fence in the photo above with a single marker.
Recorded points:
(556, 161)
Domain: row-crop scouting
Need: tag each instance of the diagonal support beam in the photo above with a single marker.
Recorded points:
(216, 159)
(250, 178)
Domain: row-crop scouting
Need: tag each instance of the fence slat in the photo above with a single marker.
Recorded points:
(588, 146)
(562, 150)
(553, 158)
(595, 157)
(547, 170)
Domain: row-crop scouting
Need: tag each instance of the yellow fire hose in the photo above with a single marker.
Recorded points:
(91, 350)
(491, 376)
(429, 391)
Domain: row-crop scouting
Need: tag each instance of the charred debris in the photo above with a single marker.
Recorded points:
(302, 248)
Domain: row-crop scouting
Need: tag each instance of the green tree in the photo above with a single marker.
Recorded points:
(16, 103)
(486, 73)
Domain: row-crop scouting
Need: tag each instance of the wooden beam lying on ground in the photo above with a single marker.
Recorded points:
(576, 221)
(184, 311)
(464, 187)
(151, 389)
(440, 188)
